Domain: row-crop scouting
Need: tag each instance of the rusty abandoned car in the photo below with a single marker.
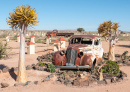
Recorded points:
(84, 51)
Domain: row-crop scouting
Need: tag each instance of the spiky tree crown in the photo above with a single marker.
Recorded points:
(107, 28)
(22, 15)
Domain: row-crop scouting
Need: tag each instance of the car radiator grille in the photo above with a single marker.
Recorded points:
(71, 57)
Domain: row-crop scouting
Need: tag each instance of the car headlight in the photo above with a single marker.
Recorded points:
(62, 53)
(80, 54)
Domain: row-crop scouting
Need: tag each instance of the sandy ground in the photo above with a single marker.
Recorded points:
(33, 75)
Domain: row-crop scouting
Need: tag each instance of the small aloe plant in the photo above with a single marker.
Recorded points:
(51, 68)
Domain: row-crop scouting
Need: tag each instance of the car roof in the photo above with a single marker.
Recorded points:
(85, 36)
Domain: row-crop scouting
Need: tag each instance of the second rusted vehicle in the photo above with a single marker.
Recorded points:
(84, 51)
(56, 33)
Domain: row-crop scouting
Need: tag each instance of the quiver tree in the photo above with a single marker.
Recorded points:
(110, 32)
(22, 17)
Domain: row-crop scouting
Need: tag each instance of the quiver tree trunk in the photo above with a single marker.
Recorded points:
(21, 77)
(111, 55)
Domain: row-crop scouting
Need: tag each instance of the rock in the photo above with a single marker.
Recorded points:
(62, 76)
(4, 85)
(84, 83)
(108, 81)
(57, 70)
(67, 77)
(105, 55)
(68, 83)
(85, 73)
(113, 80)
(54, 78)
(70, 72)
(117, 55)
(0, 71)
(41, 68)
(107, 76)
(78, 73)
(38, 58)
(121, 76)
(101, 82)
(80, 83)
(47, 79)
(19, 84)
(36, 82)
(92, 82)
(118, 79)
(51, 76)
(6, 69)
(41, 60)
(128, 64)
(33, 65)
(76, 83)
(82, 76)
(124, 74)
(36, 67)
(28, 83)
(43, 57)
(61, 80)
(28, 67)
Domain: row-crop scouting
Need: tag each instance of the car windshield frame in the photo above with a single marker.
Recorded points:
(80, 41)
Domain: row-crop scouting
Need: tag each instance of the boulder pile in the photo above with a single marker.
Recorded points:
(45, 58)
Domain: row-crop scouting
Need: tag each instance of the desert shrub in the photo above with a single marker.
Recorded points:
(124, 55)
(3, 35)
(41, 64)
(124, 38)
(51, 68)
(3, 48)
(14, 38)
(39, 41)
(111, 68)
(27, 40)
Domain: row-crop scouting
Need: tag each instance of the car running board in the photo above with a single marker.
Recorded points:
(72, 67)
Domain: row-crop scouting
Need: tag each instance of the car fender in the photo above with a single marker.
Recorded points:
(58, 59)
(87, 60)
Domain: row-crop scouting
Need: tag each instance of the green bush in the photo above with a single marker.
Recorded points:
(111, 68)
(41, 64)
(51, 67)
(3, 48)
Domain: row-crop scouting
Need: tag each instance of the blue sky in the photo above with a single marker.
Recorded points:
(71, 14)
